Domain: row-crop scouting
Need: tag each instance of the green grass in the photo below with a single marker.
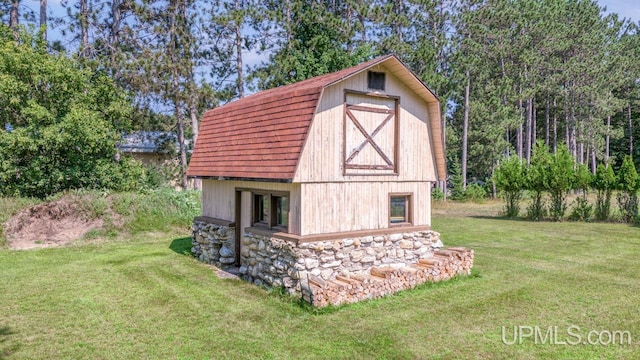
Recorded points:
(146, 299)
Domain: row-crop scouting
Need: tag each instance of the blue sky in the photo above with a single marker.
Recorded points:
(625, 8)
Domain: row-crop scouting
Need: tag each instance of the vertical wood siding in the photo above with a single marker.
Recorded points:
(323, 155)
(218, 199)
(349, 206)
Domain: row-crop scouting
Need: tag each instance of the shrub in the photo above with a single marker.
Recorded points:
(628, 184)
(559, 178)
(537, 180)
(457, 192)
(603, 182)
(437, 194)
(510, 179)
(475, 193)
(66, 120)
(582, 210)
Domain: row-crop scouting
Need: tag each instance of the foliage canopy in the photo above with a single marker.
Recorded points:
(63, 123)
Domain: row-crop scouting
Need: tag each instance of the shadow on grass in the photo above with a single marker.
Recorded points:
(182, 246)
(499, 217)
(5, 332)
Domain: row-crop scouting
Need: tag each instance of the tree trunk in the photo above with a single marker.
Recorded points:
(555, 126)
(465, 129)
(534, 125)
(397, 25)
(630, 130)
(546, 121)
(193, 111)
(238, 45)
(508, 138)
(183, 150)
(14, 17)
(84, 29)
(443, 120)
(519, 139)
(288, 27)
(43, 18)
(607, 139)
(174, 9)
(528, 132)
(114, 37)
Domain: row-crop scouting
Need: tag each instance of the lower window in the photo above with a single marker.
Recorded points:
(399, 209)
(271, 210)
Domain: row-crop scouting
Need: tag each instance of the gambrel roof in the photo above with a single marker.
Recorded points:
(261, 136)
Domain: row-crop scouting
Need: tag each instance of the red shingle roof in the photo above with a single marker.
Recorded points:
(262, 135)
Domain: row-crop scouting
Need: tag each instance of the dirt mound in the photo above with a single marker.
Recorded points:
(50, 224)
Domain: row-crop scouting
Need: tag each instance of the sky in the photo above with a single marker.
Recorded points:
(625, 8)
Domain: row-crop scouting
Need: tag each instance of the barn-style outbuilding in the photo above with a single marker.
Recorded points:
(325, 177)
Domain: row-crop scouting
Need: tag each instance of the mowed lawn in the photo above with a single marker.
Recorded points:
(144, 298)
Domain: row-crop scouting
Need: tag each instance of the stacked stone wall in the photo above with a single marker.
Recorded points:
(213, 243)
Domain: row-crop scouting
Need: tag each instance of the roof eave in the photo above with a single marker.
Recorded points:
(234, 178)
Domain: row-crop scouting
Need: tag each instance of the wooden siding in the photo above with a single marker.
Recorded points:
(377, 118)
(323, 153)
(218, 200)
(351, 206)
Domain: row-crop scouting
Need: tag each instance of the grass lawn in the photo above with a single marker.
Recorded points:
(144, 298)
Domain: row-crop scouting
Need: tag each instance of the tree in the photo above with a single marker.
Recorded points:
(510, 179)
(604, 181)
(537, 180)
(582, 180)
(64, 118)
(316, 44)
(559, 179)
(43, 19)
(628, 184)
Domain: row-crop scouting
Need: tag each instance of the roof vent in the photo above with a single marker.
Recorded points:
(375, 80)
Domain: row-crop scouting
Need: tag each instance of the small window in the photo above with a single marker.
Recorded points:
(281, 211)
(399, 209)
(375, 80)
(271, 210)
(261, 209)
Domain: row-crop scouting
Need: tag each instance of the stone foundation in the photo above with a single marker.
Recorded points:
(213, 243)
(274, 262)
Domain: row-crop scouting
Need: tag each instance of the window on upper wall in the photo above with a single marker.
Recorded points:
(400, 209)
(271, 210)
(376, 80)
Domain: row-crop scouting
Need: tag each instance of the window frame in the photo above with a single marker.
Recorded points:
(255, 216)
(408, 220)
(372, 76)
(272, 209)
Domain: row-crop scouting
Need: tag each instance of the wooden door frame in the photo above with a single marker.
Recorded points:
(238, 231)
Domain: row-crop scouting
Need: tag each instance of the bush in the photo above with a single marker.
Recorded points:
(510, 180)
(537, 176)
(560, 178)
(603, 182)
(66, 121)
(475, 193)
(437, 194)
(582, 210)
(628, 184)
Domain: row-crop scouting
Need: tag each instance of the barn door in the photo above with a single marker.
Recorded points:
(370, 134)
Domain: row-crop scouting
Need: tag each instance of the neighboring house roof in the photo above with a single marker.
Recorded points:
(148, 142)
(262, 135)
